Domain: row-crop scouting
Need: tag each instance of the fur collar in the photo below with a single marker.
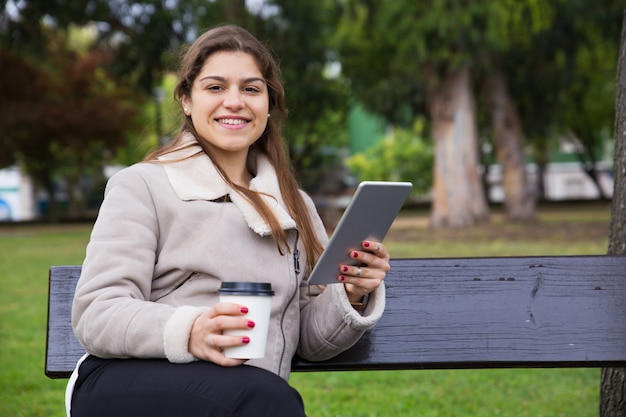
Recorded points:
(196, 178)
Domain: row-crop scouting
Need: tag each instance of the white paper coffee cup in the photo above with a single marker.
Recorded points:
(257, 297)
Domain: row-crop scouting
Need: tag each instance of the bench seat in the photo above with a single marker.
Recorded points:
(460, 313)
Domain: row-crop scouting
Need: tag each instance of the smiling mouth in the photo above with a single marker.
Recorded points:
(232, 122)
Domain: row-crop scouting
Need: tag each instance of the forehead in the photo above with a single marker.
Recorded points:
(230, 64)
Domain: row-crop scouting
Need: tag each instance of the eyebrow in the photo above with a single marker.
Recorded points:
(222, 79)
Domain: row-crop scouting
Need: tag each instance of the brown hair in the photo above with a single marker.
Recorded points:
(270, 143)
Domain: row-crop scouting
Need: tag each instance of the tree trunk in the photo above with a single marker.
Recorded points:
(613, 383)
(519, 201)
(458, 197)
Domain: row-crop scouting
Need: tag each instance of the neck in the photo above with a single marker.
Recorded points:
(236, 168)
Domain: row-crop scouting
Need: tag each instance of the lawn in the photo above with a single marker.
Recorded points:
(26, 252)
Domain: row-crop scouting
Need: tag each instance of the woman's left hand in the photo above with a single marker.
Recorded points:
(362, 280)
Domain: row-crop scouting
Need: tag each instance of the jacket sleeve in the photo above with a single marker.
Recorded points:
(112, 314)
(329, 324)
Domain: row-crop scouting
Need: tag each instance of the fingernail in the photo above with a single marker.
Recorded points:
(341, 278)
(244, 310)
(355, 254)
(250, 324)
(366, 244)
(245, 339)
(344, 269)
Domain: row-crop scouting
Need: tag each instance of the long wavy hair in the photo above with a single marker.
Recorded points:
(231, 38)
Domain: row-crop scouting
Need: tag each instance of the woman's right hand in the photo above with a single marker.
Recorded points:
(206, 341)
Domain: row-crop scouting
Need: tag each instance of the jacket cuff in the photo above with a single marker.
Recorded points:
(371, 314)
(176, 334)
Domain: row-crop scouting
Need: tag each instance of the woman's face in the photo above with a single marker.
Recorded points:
(229, 103)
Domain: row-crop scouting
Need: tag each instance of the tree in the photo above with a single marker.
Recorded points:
(458, 196)
(613, 384)
(519, 199)
(143, 35)
(60, 117)
(136, 32)
(407, 57)
(404, 58)
(561, 78)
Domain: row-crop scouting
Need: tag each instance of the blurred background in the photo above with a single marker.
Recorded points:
(501, 112)
(479, 103)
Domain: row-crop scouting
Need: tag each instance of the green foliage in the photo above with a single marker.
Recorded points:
(396, 52)
(61, 114)
(299, 36)
(403, 155)
(141, 37)
(559, 58)
(563, 77)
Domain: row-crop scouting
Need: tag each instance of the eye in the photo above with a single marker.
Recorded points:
(252, 89)
(214, 87)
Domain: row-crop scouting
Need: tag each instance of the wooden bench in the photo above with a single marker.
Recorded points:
(507, 312)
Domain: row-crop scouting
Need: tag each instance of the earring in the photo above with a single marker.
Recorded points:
(186, 110)
(268, 115)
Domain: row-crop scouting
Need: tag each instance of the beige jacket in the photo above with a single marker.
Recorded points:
(164, 241)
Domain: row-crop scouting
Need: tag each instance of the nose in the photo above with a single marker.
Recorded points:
(233, 99)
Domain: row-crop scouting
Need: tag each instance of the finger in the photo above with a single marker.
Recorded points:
(209, 342)
(206, 341)
(227, 309)
(360, 287)
(221, 341)
(374, 247)
(213, 350)
(356, 271)
(370, 260)
(223, 323)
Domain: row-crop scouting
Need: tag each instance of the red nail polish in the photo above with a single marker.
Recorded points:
(245, 339)
(341, 278)
(344, 269)
(366, 244)
(355, 254)
(250, 324)
(244, 310)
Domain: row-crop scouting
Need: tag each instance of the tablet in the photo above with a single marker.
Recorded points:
(369, 215)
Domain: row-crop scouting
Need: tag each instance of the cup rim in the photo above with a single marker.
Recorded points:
(246, 288)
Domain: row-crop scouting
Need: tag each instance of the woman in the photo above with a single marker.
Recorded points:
(220, 203)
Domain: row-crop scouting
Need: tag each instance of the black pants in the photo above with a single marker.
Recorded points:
(154, 387)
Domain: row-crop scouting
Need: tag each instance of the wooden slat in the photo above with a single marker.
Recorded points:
(567, 311)
(62, 348)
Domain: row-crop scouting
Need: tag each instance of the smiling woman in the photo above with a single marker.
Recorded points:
(220, 203)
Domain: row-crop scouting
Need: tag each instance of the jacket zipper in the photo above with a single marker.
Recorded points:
(296, 256)
(296, 268)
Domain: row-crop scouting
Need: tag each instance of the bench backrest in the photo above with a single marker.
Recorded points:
(566, 311)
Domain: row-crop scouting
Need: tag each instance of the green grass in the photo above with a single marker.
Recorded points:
(448, 393)
(26, 253)
(25, 256)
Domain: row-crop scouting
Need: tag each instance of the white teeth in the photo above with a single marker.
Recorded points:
(232, 121)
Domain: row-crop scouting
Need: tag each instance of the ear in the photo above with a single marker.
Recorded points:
(186, 103)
